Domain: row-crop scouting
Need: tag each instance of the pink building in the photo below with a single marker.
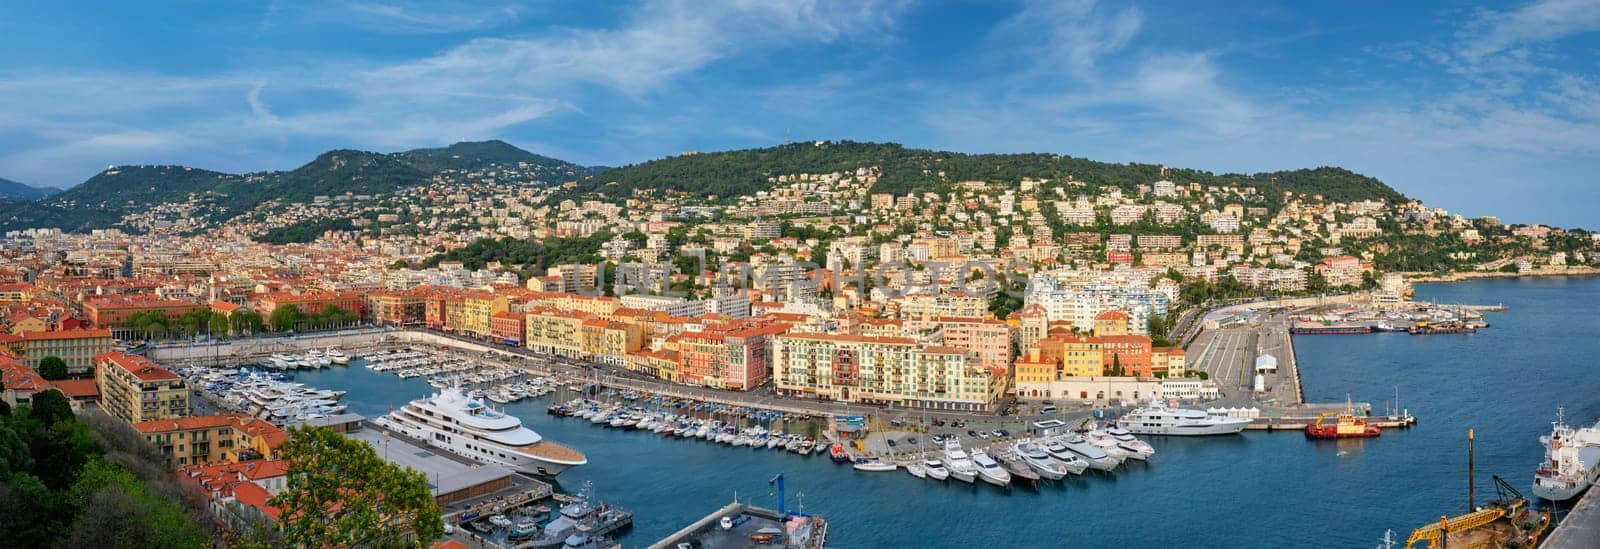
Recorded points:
(987, 338)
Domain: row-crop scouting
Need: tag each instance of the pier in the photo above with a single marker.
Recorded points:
(1581, 528)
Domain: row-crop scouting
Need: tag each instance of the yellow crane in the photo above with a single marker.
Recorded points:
(1509, 502)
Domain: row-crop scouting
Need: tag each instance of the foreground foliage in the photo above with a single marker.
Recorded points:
(88, 481)
(341, 493)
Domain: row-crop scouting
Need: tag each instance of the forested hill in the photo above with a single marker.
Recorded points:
(22, 191)
(731, 173)
(104, 198)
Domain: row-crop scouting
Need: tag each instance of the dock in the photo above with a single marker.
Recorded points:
(709, 533)
(1581, 528)
(1299, 424)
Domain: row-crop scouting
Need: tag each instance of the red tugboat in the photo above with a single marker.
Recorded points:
(1346, 425)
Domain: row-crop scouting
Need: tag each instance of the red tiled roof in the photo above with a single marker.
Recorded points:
(252, 494)
(141, 367)
(67, 334)
(77, 388)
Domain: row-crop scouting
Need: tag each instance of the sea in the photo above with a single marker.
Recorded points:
(1257, 489)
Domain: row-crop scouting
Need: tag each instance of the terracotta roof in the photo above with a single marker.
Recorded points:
(252, 494)
(1112, 315)
(141, 367)
(67, 334)
(77, 388)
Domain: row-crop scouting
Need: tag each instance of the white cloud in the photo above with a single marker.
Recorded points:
(477, 89)
(411, 18)
(1493, 32)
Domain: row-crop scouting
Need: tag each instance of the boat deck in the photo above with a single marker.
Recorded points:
(553, 451)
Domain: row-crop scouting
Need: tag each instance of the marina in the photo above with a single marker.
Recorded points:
(671, 488)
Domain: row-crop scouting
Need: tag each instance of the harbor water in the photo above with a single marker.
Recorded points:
(1253, 490)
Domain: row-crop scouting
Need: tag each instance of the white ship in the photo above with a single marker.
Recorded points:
(1160, 419)
(1571, 462)
(451, 421)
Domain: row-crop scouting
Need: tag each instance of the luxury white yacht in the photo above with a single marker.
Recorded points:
(990, 470)
(1160, 419)
(1096, 457)
(956, 460)
(454, 422)
(1040, 462)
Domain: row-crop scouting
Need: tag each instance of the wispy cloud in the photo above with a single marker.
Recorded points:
(412, 18)
(477, 89)
(1492, 32)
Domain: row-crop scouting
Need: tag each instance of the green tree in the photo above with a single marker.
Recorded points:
(284, 318)
(49, 407)
(245, 322)
(52, 368)
(193, 322)
(217, 324)
(341, 493)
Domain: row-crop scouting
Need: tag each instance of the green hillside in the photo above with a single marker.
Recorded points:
(22, 191)
(731, 173)
(103, 199)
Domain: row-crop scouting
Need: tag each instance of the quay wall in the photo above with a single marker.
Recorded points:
(1581, 529)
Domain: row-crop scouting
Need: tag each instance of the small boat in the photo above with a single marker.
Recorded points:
(837, 453)
(1020, 472)
(872, 465)
(1096, 457)
(916, 470)
(935, 469)
(1040, 462)
(1059, 452)
(990, 470)
(500, 520)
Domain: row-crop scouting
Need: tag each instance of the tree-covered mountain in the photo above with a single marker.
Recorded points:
(23, 191)
(477, 154)
(103, 199)
(905, 170)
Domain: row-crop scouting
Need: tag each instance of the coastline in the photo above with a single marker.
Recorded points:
(1476, 275)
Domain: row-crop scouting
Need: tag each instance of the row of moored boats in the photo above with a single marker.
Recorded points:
(683, 426)
(1029, 460)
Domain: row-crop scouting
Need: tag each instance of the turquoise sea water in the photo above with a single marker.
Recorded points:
(1253, 490)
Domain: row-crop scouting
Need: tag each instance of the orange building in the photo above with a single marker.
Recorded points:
(1131, 352)
(311, 302)
(112, 312)
(509, 327)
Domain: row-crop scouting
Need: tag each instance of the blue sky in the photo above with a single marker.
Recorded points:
(1482, 108)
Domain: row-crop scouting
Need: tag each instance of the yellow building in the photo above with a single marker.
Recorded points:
(134, 389)
(609, 341)
(602, 307)
(1035, 367)
(476, 312)
(883, 370)
(77, 347)
(1111, 323)
(23, 323)
(1168, 359)
(555, 332)
(208, 440)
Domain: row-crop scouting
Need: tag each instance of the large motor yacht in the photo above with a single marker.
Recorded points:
(452, 421)
(1160, 419)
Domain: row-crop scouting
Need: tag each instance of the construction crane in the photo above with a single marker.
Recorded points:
(1508, 501)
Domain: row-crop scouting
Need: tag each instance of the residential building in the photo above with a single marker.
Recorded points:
(206, 440)
(883, 370)
(133, 388)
